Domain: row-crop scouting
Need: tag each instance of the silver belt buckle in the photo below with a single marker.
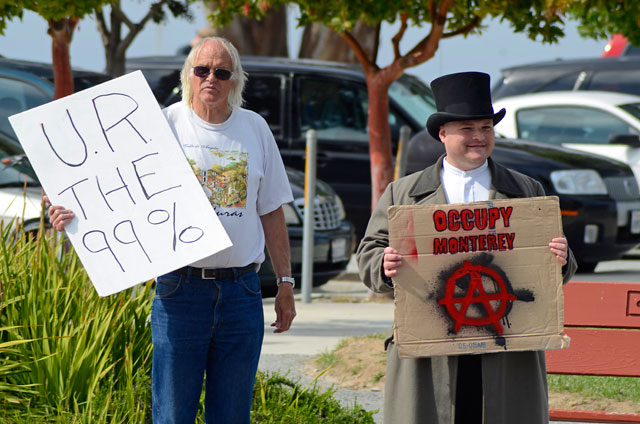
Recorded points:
(204, 276)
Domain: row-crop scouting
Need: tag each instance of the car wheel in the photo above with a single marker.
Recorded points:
(584, 267)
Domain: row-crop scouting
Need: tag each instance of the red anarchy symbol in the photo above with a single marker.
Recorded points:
(475, 285)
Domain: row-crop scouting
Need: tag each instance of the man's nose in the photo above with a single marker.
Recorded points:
(478, 134)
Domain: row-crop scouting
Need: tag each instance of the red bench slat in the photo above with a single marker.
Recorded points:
(596, 304)
(598, 352)
(592, 416)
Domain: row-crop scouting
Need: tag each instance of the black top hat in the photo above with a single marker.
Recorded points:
(461, 97)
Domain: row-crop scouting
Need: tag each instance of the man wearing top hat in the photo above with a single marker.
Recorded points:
(493, 388)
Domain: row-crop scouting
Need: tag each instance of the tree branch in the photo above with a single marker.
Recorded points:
(102, 27)
(396, 38)
(134, 29)
(428, 46)
(115, 7)
(367, 65)
(467, 29)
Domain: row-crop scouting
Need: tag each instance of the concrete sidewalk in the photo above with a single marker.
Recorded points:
(331, 316)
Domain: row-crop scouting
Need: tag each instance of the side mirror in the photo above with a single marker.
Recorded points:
(632, 140)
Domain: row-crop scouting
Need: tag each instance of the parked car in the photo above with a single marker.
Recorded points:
(599, 197)
(295, 95)
(26, 84)
(598, 122)
(620, 74)
(619, 45)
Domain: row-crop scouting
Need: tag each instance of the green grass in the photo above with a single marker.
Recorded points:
(329, 357)
(594, 387)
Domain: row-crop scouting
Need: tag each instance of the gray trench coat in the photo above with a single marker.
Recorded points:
(422, 390)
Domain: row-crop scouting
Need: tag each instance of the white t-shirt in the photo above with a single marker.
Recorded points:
(239, 167)
(466, 186)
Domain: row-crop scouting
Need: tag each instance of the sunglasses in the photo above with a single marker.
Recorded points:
(204, 71)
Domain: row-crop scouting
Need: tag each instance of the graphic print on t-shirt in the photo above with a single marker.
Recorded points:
(225, 182)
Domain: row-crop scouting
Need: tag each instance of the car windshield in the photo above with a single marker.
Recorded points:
(10, 177)
(632, 108)
(414, 97)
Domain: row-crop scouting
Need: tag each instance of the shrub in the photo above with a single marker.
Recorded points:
(277, 399)
(60, 343)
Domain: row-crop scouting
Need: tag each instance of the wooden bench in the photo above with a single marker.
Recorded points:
(603, 321)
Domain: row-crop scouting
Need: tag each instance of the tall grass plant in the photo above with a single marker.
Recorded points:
(63, 349)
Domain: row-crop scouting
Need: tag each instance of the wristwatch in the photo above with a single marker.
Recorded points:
(289, 280)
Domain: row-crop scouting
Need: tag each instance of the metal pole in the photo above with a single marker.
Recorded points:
(401, 158)
(309, 221)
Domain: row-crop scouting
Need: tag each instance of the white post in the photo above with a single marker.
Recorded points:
(309, 221)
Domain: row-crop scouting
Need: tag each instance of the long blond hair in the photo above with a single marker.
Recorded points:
(235, 99)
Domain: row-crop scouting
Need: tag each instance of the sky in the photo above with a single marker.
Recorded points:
(496, 48)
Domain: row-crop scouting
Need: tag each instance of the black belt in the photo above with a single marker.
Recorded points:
(216, 273)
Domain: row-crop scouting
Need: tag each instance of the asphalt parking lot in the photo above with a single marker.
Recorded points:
(332, 316)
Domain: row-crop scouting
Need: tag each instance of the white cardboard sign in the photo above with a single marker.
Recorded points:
(108, 154)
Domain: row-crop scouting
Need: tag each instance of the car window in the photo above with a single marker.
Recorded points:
(624, 81)
(10, 177)
(337, 110)
(632, 108)
(567, 124)
(264, 94)
(413, 98)
(17, 96)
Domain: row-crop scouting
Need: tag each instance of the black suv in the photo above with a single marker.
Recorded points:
(296, 95)
(621, 74)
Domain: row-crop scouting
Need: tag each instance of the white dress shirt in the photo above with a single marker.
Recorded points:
(465, 186)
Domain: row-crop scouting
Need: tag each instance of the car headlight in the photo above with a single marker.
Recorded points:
(291, 217)
(342, 214)
(578, 181)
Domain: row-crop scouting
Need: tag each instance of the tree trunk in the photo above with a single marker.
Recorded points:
(267, 37)
(115, 57)
(379, 135)
(380, 153)
(61, 32)
(320, 42)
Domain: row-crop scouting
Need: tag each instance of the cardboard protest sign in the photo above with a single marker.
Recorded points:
(108, 154)
(477, 277)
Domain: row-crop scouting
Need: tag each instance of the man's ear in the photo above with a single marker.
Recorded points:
(442, 133)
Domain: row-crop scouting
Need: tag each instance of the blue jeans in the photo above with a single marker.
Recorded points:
(205, 326)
